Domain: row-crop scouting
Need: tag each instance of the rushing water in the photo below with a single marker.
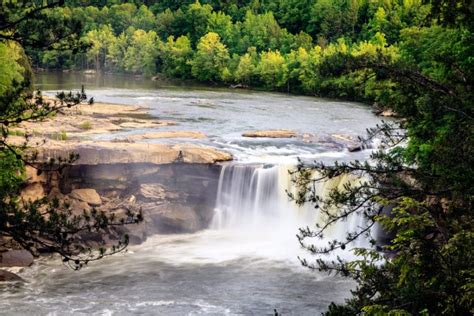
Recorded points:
(246, 262)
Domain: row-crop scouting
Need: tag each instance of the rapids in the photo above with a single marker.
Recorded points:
(246, 262)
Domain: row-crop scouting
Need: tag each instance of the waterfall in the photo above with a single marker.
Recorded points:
(252, 199)
(251, 196)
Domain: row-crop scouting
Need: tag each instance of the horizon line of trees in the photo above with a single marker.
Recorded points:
(276, 45)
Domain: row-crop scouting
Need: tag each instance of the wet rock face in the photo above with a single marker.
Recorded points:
(174, 198)
(279, 133)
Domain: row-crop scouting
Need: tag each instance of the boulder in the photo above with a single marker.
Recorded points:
(90, 196)
(6, 276)
(280, 133)
(349, 141)
(354, 148)
(16, 258)
(33, 192)
(388, 113)
(78, 207)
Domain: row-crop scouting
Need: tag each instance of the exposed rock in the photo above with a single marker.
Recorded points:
(146, 124)
(322, 140)
(32, 175)
(239, 86)
(349, 141)
(85, 120)
(152, 191)
(109, 109)
(172, 134)
(200, 154)
(55, 193)
(16, 258)
(173, 218)
(354, 148)
(95, 153)
(6, 276)
(89, 72)
(388, 113)
(33, 192)
(90, 196)
(280, 133)
(343, 137)
(78, 207)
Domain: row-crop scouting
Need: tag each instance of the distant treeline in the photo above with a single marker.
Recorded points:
(274, 44)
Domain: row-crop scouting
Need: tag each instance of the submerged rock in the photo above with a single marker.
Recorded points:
(6, 276)
(279, 133)
(172, 134)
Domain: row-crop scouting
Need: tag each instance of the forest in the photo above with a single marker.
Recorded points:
(414, 57)
(275, 45)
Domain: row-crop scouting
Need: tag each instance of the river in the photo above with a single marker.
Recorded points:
(246, 262)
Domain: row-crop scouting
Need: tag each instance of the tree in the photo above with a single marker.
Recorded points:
(101, 40)
(117, 51)
(144, 19)
(272, 69)
(422, 174)
(176, 56)
(210, 58)
(121, 16)
(10, 70)
(292, 14)
(246, 69)
(333, 19)
(195, 20)
(221, 24)
(261, 31)
(40, 225)
(142, 53)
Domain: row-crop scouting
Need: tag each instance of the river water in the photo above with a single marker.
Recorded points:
(246, 263)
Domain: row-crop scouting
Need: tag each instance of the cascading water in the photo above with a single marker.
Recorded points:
(250, 196)
(252, 201)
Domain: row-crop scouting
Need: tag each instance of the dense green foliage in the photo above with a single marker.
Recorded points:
(285, 39)
(423, 175)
